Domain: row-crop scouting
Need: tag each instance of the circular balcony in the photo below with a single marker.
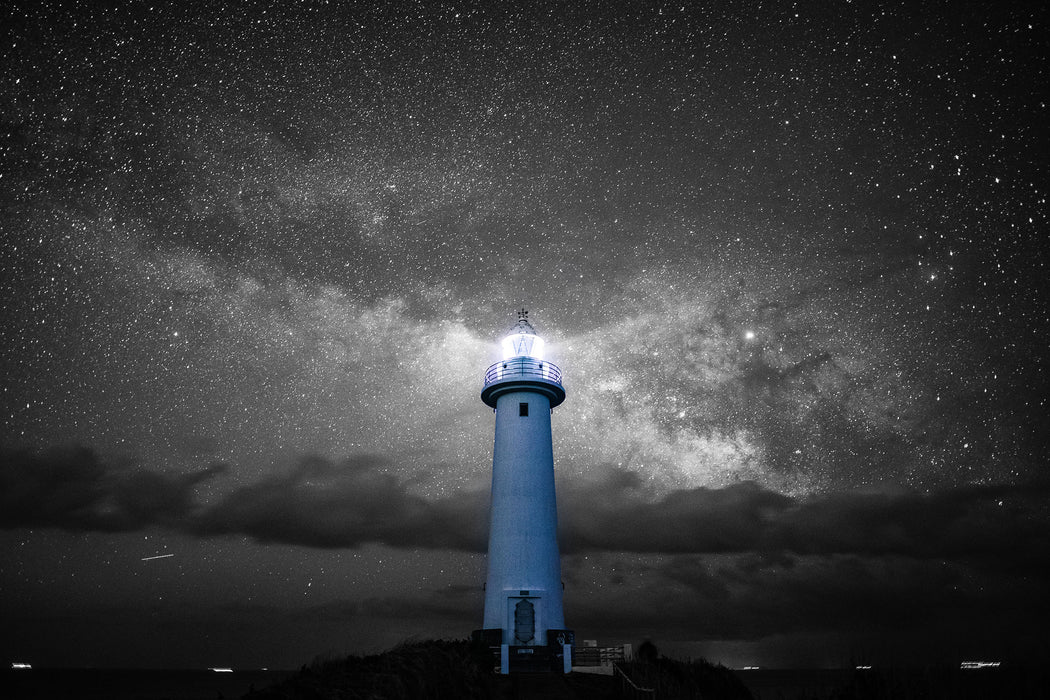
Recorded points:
(523, 374)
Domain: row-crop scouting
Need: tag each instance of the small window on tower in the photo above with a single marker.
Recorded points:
(523, 409)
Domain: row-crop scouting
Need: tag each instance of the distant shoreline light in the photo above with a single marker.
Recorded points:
(220, 669)
(20, 665)
(980, 664)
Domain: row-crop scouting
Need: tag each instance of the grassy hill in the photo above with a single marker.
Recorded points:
(462, 671)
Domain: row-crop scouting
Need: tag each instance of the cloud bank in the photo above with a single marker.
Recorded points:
(327, 504)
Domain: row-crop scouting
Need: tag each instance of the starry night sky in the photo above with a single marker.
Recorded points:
(790, 257)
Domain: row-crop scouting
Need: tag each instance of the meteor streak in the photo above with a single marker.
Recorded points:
(159, 556)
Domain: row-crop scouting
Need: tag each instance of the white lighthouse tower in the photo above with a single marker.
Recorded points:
(523, 591)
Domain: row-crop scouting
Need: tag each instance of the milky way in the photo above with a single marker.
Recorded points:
(256, 259)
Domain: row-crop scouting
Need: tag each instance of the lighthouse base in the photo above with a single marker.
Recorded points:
(554, 657)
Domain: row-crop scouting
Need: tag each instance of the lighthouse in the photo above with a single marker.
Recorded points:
(523, 589)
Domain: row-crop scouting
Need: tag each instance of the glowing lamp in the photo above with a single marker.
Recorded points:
(523, 342)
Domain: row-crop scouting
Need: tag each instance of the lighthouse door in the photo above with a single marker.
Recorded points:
(524, 613)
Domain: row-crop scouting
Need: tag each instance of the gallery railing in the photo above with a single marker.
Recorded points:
(523, 368)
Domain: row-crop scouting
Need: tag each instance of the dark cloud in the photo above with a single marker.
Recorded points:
(326, 504)
(319, 503)
(997, 525)
(75, 489)
(708, 520)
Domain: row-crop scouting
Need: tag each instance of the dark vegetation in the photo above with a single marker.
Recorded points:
(412, 671)
(670, 678)
(461, 670)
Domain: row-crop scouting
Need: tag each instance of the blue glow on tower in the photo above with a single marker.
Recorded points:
(523, 591)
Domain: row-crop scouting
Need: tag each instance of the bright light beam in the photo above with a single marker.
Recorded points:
(159, 556)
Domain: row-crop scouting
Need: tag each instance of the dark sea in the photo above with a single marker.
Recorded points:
(792, 684)
(131, 684)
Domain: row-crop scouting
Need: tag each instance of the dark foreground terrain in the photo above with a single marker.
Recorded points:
(443, 669)
(447, 669)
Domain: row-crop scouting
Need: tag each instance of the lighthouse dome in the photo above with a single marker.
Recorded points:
(522, 341)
